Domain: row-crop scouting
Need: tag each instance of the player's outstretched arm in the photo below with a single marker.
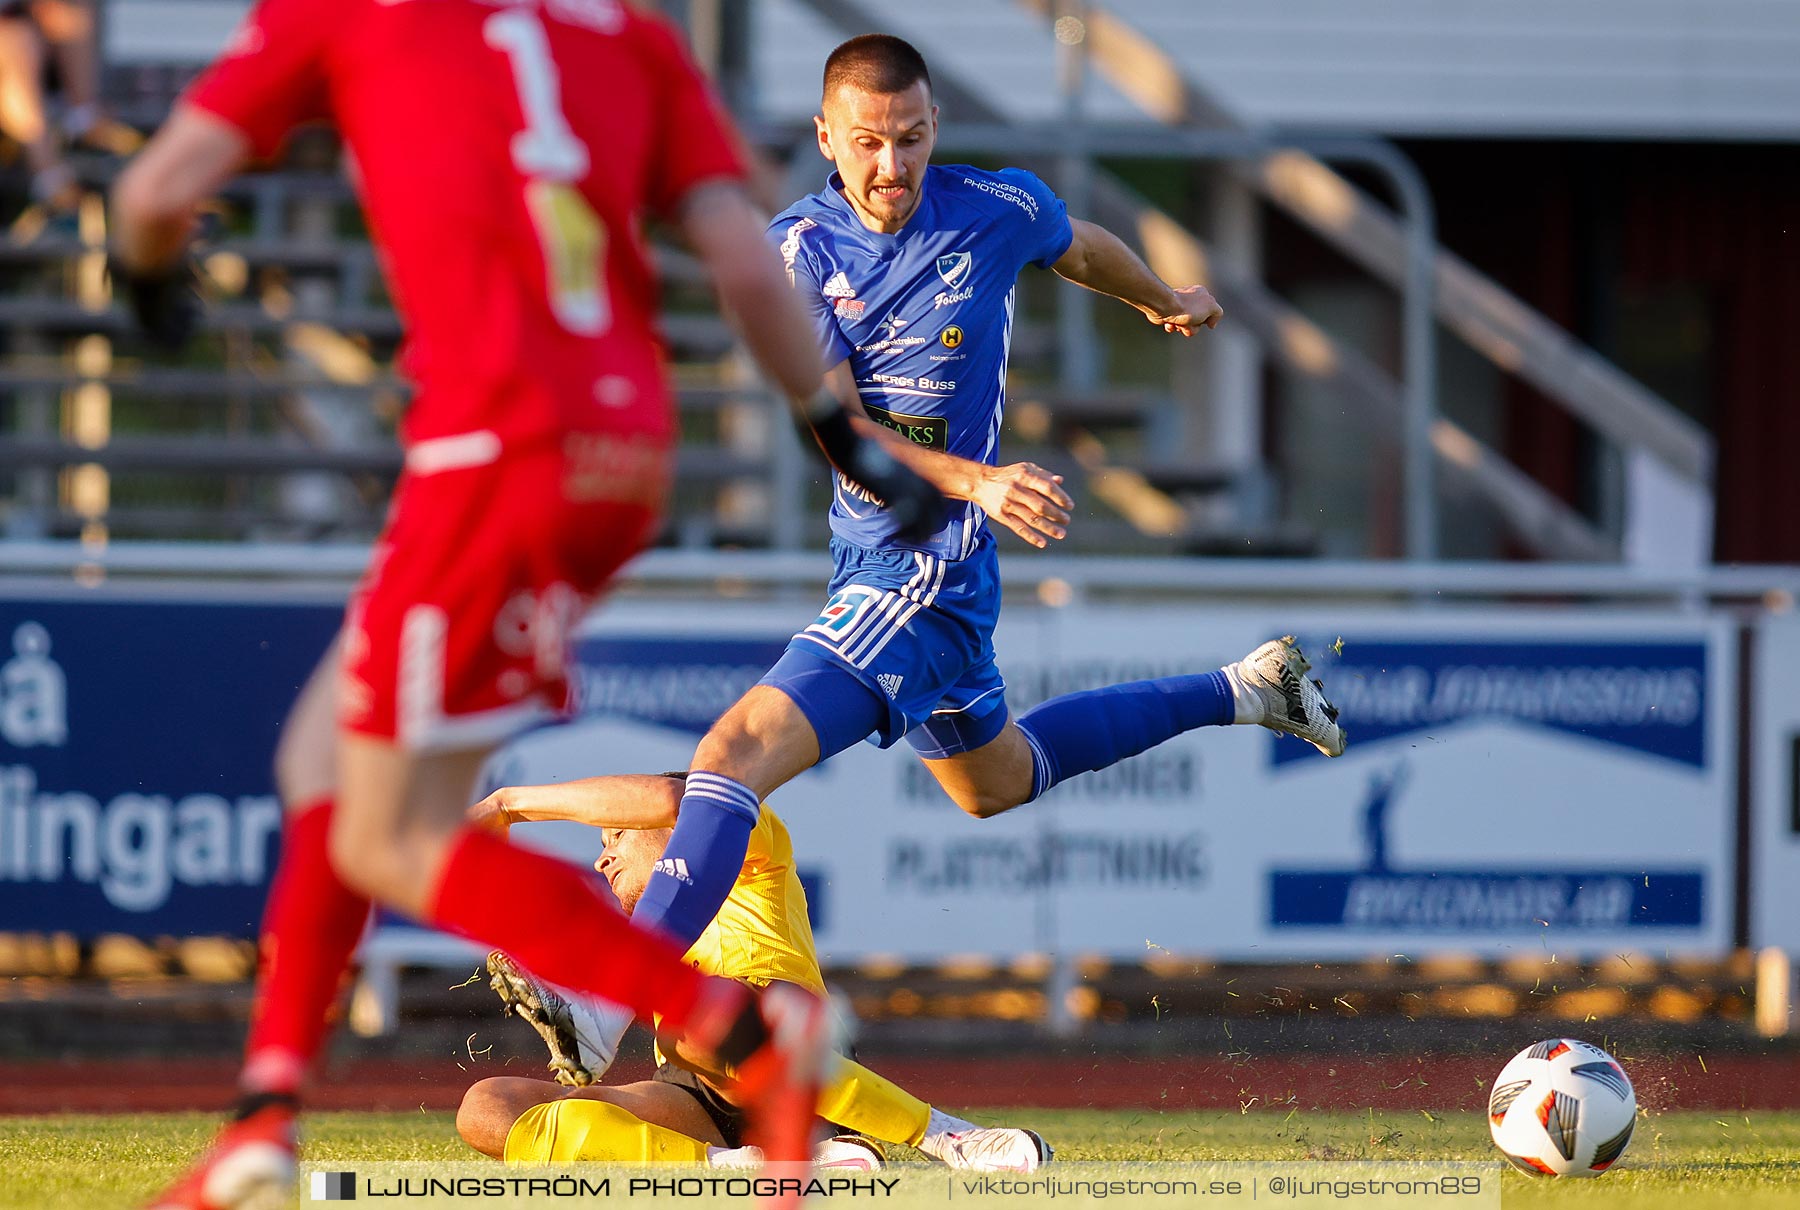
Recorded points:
(632, 801)
(1023, 496)
(1099, 260)
(153, 207)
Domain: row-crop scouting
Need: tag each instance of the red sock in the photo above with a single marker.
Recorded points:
(310, 928)
(544, 913)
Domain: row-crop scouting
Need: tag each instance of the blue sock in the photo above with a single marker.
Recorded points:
(1082, 732)
(702, 860)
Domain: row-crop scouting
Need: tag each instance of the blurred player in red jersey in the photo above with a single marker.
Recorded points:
(506, 155)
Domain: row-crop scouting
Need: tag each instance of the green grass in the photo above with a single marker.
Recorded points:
(1689, 1161)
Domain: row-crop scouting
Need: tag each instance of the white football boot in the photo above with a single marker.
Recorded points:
(1275, 675)
(582, 1034)
(992, 1149)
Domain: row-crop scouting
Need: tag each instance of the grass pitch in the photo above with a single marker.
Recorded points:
(1677, 1161)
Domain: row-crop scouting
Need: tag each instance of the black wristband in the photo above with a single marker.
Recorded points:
(836, 436)
(915, 506)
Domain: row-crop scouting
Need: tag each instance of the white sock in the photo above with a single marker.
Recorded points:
(1247, 701)
(939, 1125)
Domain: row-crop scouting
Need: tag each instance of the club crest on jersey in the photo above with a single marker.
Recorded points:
(838, 286)
(955, 268)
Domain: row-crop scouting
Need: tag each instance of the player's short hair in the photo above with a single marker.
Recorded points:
(879, 63)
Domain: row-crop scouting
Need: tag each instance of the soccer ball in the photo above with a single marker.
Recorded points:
(1562, 1108)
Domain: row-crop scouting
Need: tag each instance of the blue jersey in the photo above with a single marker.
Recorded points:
(924, 316)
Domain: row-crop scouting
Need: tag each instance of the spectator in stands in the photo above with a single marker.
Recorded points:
(36, 35)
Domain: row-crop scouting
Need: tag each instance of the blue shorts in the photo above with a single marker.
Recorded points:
(919, 631)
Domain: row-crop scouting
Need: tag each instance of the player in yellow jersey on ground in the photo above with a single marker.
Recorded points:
(761, 935)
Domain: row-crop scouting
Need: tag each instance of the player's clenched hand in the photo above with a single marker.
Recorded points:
(491, 813)
(162, 301)
(1027, 499)
(1197, 309)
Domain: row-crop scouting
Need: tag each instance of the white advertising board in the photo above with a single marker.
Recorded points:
(1515, 780)
(1775, 824)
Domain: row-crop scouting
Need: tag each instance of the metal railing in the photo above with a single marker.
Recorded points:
(1286, 171)
(1051, 578)
(1497, 324)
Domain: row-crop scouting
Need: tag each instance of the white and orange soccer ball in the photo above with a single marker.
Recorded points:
(1562, 1108)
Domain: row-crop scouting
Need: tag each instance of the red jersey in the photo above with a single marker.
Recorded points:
(505, 153)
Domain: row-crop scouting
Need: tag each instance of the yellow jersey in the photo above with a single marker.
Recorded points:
(762, 933)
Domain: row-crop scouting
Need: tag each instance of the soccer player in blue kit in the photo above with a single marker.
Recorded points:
(909, 271)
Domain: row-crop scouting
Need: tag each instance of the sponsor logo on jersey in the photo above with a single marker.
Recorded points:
(903, 381)
(955, 268)
(838, 286)
(891, 338)
(898, 342)
(1010, 193)
(849, 308)
(674, 867)
(932, 432)
(951, 337)
(856, 491)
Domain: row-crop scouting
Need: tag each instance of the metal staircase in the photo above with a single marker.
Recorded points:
(995, 87)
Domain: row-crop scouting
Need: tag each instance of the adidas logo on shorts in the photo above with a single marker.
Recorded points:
(890, 681)
(674, 867)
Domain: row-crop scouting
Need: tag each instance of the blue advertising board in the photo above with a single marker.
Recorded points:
(1512, 780)
(136, 747)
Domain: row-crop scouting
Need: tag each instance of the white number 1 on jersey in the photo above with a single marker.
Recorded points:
(554, 159)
